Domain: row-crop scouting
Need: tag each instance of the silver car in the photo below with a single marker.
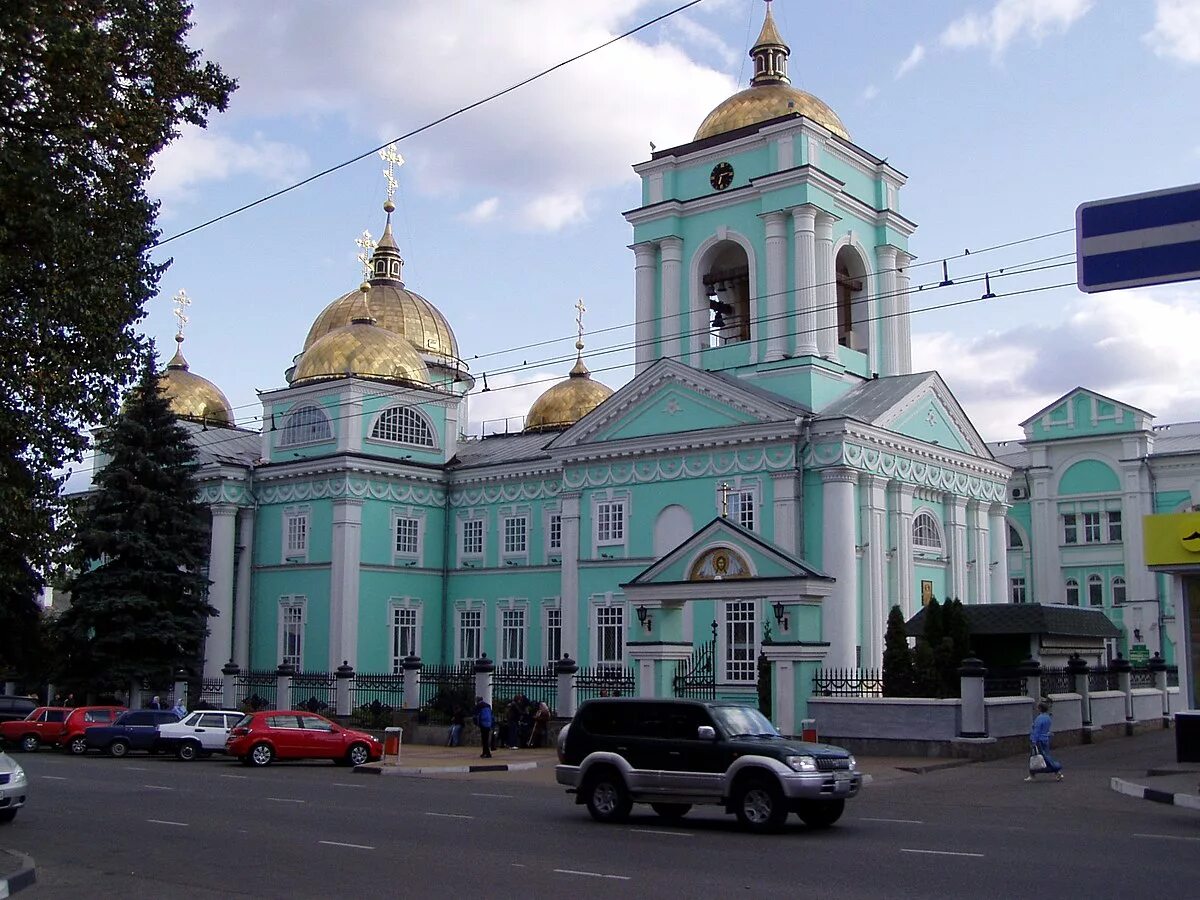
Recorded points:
(14, 788)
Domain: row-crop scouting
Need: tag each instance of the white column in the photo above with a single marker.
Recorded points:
(839, 610)
(218, 644)
(349, 428)
(674, 317)
(776, 305)
(956, 540)
(977, 550)
(889, 326)
(827, 342)
(873, 491)
(645, 270)
(344, 582)
(787, 509)
(572, 636)
(1044, 542)
(804, 324)
(904, 364)
(902, 547)
(242, 599)
(998, 562)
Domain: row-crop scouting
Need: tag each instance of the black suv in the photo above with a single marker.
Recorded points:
(674, 754)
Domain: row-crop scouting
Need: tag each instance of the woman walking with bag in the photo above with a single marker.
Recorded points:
(1040, 759)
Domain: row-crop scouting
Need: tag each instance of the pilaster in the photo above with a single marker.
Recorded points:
(956, 538)
(839, 612)
(826, 286)
(777, 295)
(873, 494)
(344, 582)
(977, 553)
(673, 322)
(242, 600)
(889, 363)
(573, 637)
(787, 488)
(218, 644)
(998, 564)
(645, 271)
(901, 548)
(904, 316)
(805, 323)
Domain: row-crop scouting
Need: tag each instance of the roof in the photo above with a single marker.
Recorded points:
(495, 449)
(1011, 453)
(1181, 437)
(1028, 618)
(1049, 406)
(224, 446)
(871, 399)
(749, 387)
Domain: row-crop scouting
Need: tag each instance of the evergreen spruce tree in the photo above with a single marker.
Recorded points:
(139, 606)
(928, 657)
(898, 676)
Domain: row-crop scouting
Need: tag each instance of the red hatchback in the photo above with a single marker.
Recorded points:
(263, 737)
(82, 718)
(42, 726)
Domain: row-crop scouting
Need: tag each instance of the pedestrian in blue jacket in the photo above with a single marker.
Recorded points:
(485, 721)
(1039, 737)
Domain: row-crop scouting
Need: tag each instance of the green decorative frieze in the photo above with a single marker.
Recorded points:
(504, 493)
(356, 488)
(905, 469)
(700, 465)
(213, 494)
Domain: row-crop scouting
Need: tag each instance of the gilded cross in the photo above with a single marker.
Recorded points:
(724, 499)
(393, 159)
(182, 302)
(367, 243)
(580, 309)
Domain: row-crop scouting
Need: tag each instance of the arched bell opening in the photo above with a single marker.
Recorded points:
(853, 309)
(726, 281)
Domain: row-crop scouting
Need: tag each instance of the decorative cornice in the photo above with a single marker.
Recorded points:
(225, 492)
(701, 465)
(942, 476)
(360, 488)
(839, 473)
(503, 493)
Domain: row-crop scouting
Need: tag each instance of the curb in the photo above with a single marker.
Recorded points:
(25, 876)
(1144, 793)
(376, 769)
(937, 766)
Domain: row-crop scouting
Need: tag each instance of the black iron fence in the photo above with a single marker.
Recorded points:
(443, 688)
(374, 699)
(696, 677)
(1004, 682)
(315, 692)
(1057, 681)
(1103, 679)
(256, 690)
(211, 695)
(603, 681)
(538, 684)
(848, 683)
(1172, 676)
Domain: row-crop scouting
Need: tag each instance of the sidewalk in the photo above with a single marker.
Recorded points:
(16, 872)
(1150, 772)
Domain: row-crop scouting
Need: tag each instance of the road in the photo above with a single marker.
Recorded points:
(153, 827)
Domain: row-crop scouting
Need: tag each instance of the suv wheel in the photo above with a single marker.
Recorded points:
(188, 750)
(671, 811)
(261, 755)
(759, 804)
(606, 797)
(118, 748)
(821, 813)
(78, 745)
(29, 743)
(358, 755)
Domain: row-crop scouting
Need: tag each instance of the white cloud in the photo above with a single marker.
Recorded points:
(1135, 345)
(911, 61)
(551, 212)
(1176, 32)
(508, 399)
(1010, 19)
(870, 92)
(483, 211)
(705, 39)
(198, 156)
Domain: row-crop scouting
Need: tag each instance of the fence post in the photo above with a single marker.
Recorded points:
(1031, 670)
(179, 690)
(135, 694)
(283, 685)
(974, 713)
(1158, 666)
(565, 669)
(1121, 666)
(344, 674)
(412, 682)
(1077, 668)
(484, 668)
(229, 675)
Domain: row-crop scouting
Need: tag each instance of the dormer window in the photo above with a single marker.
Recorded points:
(307, 425)
(402, 425)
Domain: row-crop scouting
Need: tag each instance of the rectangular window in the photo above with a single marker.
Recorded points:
(554, 533)
(1017, 589)
(407, 531)
(1091, 528)
(553, 634)
(515, 529)
(291, 631)
(1114, 526)
(610, 635)
(512, 637)
(470, 634)
(610, 522)
(472, 537)
(1070, 529)
(1072, 592)
(404, 636)
(295, 528)
(742, 508)
(740, 641)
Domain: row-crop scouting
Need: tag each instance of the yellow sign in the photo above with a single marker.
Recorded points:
(1173, 539)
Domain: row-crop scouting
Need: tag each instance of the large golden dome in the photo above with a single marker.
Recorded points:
(770, 94)
(568, 401)
(191, 396)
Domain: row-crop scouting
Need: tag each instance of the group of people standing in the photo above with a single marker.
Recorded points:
(525, 725)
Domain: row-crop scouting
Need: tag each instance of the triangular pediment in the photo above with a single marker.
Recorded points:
(1084, 413)
(671, 398)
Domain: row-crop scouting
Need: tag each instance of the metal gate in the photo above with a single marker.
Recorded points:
(696, 678)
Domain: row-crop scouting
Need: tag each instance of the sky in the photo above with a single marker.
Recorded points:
(1004, 114)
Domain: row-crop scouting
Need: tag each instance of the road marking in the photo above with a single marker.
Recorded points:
(286, 800)
(343, 784)
(158, 787)
(652, 831)
(55, 777)
(137, 768)
(448, 816)
(941, 853)
(351, 846)
(592, 874)
(1168, 837)
(499, 796)
(894, 821)
(165, 822)
(235, 776)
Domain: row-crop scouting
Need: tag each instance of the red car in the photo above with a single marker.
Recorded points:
(42, 726)
(263, 737)
(82, 718)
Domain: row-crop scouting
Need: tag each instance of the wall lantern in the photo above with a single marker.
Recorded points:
(781, 617)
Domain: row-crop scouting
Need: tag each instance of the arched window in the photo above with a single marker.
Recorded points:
(1072, 592)
(727, 286)
(926, 534)
(1095, 591)
(402, 425)
(851, 300)
(1118, 591)
(307, 425)
(1014, 538)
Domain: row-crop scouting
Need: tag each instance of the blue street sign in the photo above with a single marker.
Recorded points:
(1151, 238)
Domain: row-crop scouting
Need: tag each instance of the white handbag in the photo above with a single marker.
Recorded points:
(1037, 762)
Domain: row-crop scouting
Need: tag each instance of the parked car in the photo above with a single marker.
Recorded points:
(674, 754)
(14, 788)
(135, 729)
(79, 720)
(42, 726)
(198, 733)
(261, 738)
(14, 708)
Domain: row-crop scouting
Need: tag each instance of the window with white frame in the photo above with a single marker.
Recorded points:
(472, 537)
(1095, 587)
(553, 633)
(1091, 527)
(1114, 526)
(926, 534)
(295, 533)
(1118, 590)
(554, 533)
(408, 536)
(402, 425)
(291, 630)
(741, 633)
(470, 634)
(610, 522)
(516, 534)
(404, 636)
(1072, 592)
(743, 508)
(512, 637)
(1070, 524)
(307, 425)
(1016, 590)
(610, 635)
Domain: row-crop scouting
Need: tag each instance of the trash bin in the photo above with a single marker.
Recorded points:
(1187, 737)
(391, 746)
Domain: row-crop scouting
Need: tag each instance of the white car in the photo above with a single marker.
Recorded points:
(14, 788)
(198, 733)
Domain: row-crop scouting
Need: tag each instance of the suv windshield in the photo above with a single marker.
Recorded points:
(740, 721)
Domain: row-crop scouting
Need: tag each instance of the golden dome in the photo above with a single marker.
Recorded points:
(568, 401)
(190, 395)
(770, 94)
(361, 350)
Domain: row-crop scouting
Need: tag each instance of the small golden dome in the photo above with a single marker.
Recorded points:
(360, 350)
(191, 396)
(568, 401)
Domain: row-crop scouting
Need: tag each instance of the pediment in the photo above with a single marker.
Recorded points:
(1084, 413)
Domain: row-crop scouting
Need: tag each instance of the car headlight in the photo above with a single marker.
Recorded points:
(801, 763)
(853, 763)
(18, 772)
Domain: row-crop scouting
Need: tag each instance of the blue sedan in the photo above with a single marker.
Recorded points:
(136, 729)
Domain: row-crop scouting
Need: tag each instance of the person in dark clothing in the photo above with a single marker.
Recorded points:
(526, 727)
(457, 720)
(512, 722)
(484, 719)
